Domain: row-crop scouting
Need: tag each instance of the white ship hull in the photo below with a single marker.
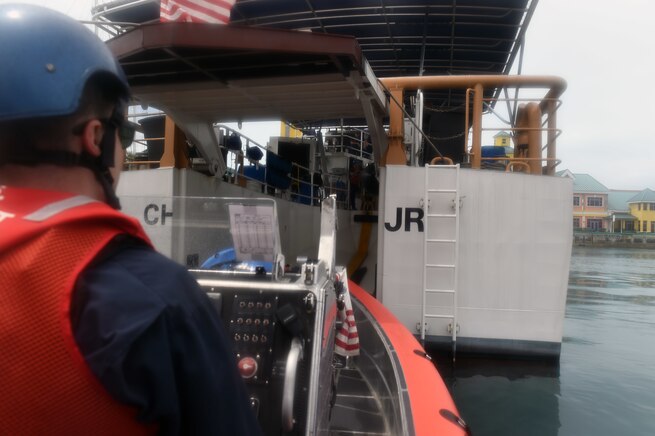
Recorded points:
(513, 264)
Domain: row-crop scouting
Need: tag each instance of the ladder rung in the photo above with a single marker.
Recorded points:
(441, 215)
(441, 199)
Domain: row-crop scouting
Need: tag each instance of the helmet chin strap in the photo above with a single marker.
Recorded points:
(104, 162)
(100, 165)
(107, 182)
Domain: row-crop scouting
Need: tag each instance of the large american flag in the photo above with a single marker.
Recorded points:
(196, 11)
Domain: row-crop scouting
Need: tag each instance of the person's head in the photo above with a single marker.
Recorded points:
(62, 95)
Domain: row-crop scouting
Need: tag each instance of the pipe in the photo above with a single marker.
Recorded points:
(534, 137)
(395, 154)
(556, 84)
(551, 135)
(476, 149)
(520, 134)
(466, 124)
(362, 249)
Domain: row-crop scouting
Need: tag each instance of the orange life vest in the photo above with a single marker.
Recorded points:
(46, 240)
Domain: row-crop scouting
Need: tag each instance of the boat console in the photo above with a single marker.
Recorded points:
(281, 324)
(283, 336)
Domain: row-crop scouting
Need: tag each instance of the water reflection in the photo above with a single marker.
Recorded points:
(578, 294)
(613, 268)
(504, 397)
(604, 384)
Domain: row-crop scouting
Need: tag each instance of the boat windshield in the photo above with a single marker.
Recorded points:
(224, 234)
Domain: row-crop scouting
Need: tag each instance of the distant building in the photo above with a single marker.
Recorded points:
(504, 139)
(642, 207)
(590, 202)
(494, 156)
(597, 208)
(620, 218)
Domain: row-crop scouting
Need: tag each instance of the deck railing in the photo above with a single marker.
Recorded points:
(530, 119)
(300, 184)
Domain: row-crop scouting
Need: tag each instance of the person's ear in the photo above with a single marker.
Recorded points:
(92, 136)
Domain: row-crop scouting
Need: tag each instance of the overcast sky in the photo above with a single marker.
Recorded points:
(606, 52)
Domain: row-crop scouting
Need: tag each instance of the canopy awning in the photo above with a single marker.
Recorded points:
(398, 37)
(234, 73)
(622, 216)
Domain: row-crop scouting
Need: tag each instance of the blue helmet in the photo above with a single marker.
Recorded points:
(47, 59)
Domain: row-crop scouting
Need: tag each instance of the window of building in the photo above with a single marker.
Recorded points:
(595, 201)
(652, 206)
(644, 226)
(576, 223)
(652, 226)
(629, 226)
(638, 206)
(594, 224)
(576, 201)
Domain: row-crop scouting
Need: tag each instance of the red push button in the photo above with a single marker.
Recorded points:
(247, 367)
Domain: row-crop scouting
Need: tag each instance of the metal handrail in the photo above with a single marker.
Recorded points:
(290, 375)
(546, 105)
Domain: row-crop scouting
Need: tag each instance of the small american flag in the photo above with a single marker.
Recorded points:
(196, 11)
(347, 341)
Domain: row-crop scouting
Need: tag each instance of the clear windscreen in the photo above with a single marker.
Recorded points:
(229, 234)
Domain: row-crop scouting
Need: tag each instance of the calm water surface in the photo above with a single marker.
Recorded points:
(605, 381)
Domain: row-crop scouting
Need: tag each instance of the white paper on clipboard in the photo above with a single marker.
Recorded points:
(254, 230)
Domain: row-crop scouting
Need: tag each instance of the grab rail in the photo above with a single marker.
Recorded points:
(290, 374)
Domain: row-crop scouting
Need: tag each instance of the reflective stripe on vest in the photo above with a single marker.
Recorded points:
(52, 209)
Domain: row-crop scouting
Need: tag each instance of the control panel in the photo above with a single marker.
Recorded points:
(272, 333)
(252, 329)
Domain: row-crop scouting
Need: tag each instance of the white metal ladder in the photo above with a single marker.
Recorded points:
(441, 204)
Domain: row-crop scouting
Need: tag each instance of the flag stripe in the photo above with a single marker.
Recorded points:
(214, 7)
(178, 13)
(201, 8)
(198, 11)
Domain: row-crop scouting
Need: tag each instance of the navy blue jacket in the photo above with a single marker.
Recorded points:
(151, 336)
